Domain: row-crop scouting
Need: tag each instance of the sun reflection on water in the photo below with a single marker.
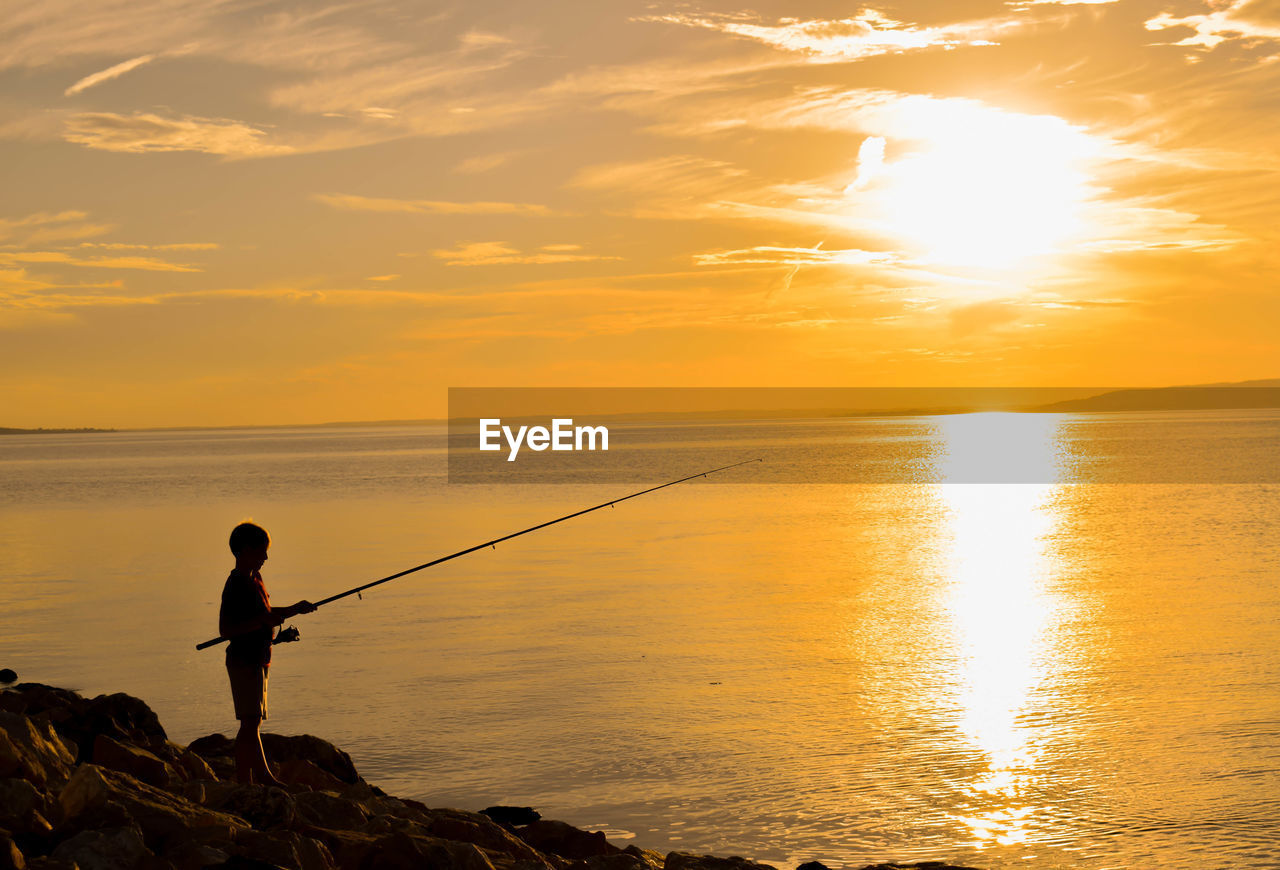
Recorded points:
(998, 605)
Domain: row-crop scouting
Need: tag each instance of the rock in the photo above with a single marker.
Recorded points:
(48, 863)
(349, 848)
(923, 865)
(111, 849)
(7, 675)
(512, 817)
(684, 861)
(619, 861)
(24, 809)
(813, 865)
(283, 849)
(630, 858)
(218, 749)
(299, 771)
(94, 795)
(10, 855)
(480, 830)
(264, 807)
(191, 855)
(31, 749)
(401, 851)
(328, 810)
(120, 716)
(560, 838)
(138, 763)
(194, 766)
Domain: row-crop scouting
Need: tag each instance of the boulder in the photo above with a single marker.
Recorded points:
(219, 752)
(630, 858)
(79, 721)
(32, 750)
(684, 861)
(264, 807)
(473, 828)
(193, 855)
(24, 809)
(193, 766)
(813, 865)
(133, 760)
(11, 857)
(283, 849)
(512, 817)
(922, 865)
(95, 796)
(349, 848)
(560, 838)
(300, 772)
(110, 849)
(328, 810)
(402, 851)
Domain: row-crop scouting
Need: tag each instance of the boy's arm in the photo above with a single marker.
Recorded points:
(280, 614)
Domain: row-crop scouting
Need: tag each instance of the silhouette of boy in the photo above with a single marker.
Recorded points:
(249, 622)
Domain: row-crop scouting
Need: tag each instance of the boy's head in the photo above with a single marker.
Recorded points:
(249, 538)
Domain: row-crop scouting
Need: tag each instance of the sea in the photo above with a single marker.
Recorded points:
(1071, 666)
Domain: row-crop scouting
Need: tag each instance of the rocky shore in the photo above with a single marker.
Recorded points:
(96, 784)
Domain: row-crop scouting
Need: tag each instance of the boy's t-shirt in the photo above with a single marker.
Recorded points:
(245, 598)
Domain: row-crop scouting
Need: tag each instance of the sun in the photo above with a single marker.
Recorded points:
(970, 185)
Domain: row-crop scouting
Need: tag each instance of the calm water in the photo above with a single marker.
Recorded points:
(1041, 674)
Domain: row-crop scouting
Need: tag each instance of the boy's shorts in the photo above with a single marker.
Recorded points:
(249, 690)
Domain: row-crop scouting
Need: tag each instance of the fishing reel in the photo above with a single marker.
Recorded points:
(288, 635)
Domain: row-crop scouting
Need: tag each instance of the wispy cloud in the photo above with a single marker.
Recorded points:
(1240, 21)
(44, 227)
(176, 246)
(143, 132)
(779, 256)
(147, 264)
(350, 202)
(501, 253)
(869, 34)
(1023, 4)
(108, 74)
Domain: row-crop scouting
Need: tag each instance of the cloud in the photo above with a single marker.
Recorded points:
(779, 256)
(146, 264)
(1243, 20)
(1024, 4)
(176, 246)
(349, 202)
(484, 162)
(108, 74)
(144, 132)
(679, 186)
(501, 253)
(43, 227)
(868, 34)
(382, 278)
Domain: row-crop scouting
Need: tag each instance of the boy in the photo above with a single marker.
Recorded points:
(249, 621)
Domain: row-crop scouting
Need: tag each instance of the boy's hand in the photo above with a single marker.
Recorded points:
(303, 607)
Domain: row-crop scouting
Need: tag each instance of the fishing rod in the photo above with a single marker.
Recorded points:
(359, 589)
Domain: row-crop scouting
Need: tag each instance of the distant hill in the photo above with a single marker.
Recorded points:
(1200, 397)
(42, 431)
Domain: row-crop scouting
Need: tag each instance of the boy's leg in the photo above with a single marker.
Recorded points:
(249, 691)
(251, 761)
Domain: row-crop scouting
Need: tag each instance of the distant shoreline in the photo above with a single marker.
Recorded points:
(1244, 395)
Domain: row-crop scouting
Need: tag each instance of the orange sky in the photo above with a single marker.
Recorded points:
(227, 213)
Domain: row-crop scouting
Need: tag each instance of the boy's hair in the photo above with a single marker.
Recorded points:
(248, 536)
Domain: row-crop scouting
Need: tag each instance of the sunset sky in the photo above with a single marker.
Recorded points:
(229, 212)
